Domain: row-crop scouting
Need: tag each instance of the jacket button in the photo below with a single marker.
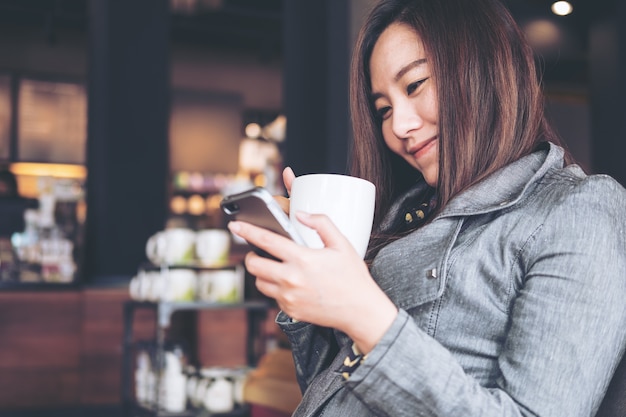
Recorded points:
(431, 273)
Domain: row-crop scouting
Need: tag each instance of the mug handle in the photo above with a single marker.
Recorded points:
(153, 247)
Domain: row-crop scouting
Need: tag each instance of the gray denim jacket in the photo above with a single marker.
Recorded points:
(512, 302)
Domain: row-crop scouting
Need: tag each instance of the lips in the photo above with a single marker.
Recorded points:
(421, 148)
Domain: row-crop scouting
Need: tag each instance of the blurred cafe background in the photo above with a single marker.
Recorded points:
(122, 118)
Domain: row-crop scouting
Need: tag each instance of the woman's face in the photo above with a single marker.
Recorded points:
(403, 92)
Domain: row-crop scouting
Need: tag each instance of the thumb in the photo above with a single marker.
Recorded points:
(288, 177)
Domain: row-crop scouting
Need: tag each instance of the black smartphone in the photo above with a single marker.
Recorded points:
(258, 207)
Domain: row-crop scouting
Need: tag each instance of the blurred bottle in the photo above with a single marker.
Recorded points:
(57, 263)
(55, 249)
(26, 246)
(9, 264)
(144, 379)
(173, 381)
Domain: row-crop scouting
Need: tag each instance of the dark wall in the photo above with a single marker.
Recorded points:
(127, 151)
(316, 67)
(608, 92)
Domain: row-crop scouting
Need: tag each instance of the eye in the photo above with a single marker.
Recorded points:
(411, 88)
(383, 112)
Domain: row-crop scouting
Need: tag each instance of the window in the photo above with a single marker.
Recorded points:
(52, 121)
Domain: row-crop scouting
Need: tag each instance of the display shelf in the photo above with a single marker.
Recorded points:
(256, 312)
(195, 264)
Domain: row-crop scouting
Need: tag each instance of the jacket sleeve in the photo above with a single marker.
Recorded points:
(567, 327)
(313, 347)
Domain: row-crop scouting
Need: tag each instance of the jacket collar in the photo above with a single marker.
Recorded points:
(501, 189)
(506, 186)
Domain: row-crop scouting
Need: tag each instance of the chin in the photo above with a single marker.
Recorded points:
(431, 179)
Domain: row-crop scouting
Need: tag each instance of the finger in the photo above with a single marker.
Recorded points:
(325, 228)
(266, 240)
(267, 287)
(266, 272)
(288, 177)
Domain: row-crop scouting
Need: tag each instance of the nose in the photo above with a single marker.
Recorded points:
(405, 119)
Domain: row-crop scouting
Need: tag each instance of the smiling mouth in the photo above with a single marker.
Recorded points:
(422, 147)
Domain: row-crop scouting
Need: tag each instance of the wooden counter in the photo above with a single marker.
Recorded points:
(64, 347)
(40, 335)
(60, 348)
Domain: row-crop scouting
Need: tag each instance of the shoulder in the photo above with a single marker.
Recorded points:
(570, 187)
(572, 209)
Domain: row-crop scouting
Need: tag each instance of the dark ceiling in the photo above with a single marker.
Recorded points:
(245, 25)
(564, 62)
(255, 26)
(250, 26)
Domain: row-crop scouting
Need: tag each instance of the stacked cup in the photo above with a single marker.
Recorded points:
(182, 246)
(175, 284)
(179, 252)
(216, 389)
(221, 285)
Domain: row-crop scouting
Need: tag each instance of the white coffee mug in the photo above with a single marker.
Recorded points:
(347, 201)
(154, 284)
(134, 288)
(178, 285)
(213, 247)
(139, 286)
(218, 396)
(171, 246)
(221, 285)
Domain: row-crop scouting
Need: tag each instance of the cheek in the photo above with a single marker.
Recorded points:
(390, 139)
(432, 106)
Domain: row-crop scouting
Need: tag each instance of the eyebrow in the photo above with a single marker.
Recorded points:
(401, 73)
(409, 67)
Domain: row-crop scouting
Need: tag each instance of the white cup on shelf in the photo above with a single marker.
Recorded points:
(221, 285)
(177, 284)
(155, 284)
(173, 246)
(134, 288)
(218, 395)
(139, 286)
(213, 247)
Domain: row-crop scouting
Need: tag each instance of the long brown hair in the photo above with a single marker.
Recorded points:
(490, 101)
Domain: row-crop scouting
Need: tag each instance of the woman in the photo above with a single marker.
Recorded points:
(493, 285)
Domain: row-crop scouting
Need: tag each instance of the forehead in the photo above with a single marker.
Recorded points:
(397, 46)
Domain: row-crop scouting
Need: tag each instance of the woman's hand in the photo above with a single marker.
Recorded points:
(329, 287)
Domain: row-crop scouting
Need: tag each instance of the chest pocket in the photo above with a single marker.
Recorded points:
(412, 270)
